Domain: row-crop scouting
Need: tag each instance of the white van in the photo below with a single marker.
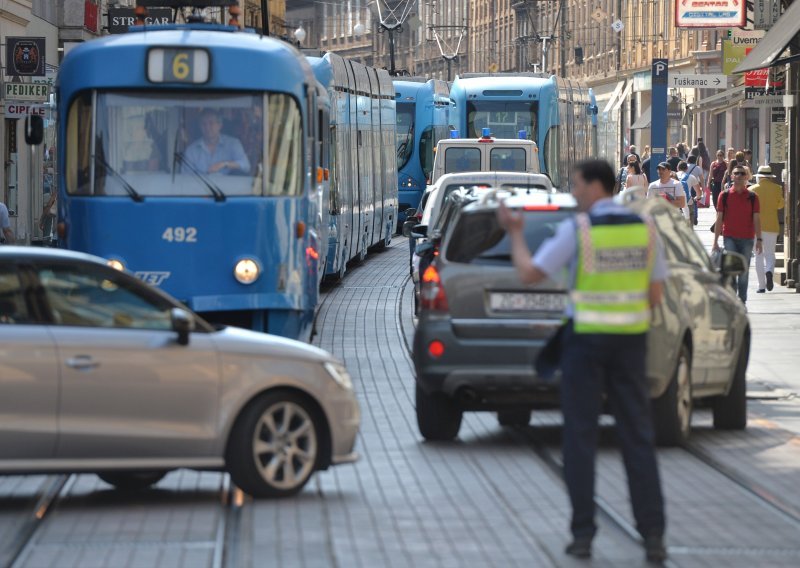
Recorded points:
(486, 154)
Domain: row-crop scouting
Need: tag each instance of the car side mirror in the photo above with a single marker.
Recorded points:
(410, 212)
(419, 232)
(34, 130)
(408, 227)
(733, 263)
(183, 323)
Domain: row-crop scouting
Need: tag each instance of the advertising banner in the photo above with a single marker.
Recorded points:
(120, 19)
(25, 56)
(765, 13)
(710, 13)
(778, 135)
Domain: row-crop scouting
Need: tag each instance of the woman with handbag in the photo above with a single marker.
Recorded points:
(716, 179)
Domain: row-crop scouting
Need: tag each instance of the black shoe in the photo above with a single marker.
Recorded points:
(581, 547)
(770, 284)
(760, 291)
(655, 549)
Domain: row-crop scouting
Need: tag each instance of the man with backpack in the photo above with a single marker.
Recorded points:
(739, 222)
(691, 187)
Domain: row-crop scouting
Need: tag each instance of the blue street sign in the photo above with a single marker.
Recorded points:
(658, 117)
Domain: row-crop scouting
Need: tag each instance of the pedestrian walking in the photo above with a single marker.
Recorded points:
(6, 234)
(631, 152)
(646, 168)
(667, 187)
(604, 345)
(635, 176)
(624, 172)
(646, 153)
(738, 221)
(703, 159)
(691, 187)
(770, 199)
(716, 179)
(682, 150)
(674, 159)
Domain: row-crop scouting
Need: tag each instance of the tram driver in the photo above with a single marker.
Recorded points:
(215, 152)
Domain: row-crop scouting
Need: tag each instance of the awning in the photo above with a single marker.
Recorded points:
(723, 100)
(643, 121)
(623, 96)
(614, 96)
(769, 48)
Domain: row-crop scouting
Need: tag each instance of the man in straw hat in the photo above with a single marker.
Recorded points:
(770, 197)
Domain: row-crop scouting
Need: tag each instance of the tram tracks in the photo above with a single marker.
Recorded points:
(225, 546)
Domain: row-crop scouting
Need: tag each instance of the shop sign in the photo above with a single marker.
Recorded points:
(25, 56)
(710, 13)
(91, 13)
(736, 47)
(18, 110)
(765, 13)
(642, 81)
(120, 19)
(757, 98)
(778, 135)
(26, 91)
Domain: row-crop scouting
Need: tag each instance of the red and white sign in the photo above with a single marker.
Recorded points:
(19, 110)
(761, 77)
(91, 13)
(710, 13)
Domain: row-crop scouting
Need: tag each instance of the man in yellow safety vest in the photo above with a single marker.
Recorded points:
(617, 267)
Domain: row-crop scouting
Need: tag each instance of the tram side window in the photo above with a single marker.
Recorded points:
(426, 146)
(462, 160)
(79, 133)
(285, 147)
(551, 155)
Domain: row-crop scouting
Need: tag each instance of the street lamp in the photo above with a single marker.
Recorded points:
(300, 34)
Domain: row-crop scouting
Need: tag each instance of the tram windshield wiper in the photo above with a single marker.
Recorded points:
(135, 195)
(212, 187)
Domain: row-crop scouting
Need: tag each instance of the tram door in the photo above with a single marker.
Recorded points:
(354, 180)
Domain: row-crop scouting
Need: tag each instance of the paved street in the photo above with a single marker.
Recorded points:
(494, 498)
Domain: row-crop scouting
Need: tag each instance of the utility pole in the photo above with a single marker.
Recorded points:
(562, 11)
(265, 17)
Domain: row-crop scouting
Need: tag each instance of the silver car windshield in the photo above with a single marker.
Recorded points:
(184, 145)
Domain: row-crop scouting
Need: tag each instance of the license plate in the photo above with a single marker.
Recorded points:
(526, 302)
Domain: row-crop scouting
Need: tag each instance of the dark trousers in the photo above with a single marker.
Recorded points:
(615, 364)
(716, 189)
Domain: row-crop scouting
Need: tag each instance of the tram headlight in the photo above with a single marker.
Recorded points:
(246, 271)
(116, 264)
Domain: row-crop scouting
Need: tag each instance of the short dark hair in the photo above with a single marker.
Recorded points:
(682, 166)
(692, 159)
(597, 170)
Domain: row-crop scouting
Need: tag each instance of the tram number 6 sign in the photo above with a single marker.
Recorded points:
(170, 65)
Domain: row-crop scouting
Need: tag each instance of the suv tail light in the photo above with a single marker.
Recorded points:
(432, 294)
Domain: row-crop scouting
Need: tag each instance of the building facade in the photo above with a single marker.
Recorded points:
(493, 36)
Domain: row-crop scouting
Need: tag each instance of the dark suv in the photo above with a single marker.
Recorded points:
(480, 329)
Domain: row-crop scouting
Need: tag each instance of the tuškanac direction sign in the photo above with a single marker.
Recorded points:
(710, 13)
(37, 92)
(692, 81)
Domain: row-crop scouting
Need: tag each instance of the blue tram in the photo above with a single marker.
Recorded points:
(560, 115)
(360, 136)
(193, 155)
(423, 118)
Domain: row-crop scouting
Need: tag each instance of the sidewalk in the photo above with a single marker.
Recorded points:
(773, 380)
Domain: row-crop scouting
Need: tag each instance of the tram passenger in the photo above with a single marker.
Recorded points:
(215, 152)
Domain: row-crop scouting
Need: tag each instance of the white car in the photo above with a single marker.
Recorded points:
(437, 194)
(102, 373)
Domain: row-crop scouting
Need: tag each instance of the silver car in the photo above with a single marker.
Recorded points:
(480, 329)
(102, 373)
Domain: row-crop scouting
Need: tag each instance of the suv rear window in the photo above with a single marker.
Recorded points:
(507, 160)
(462, 160)
(478, 238)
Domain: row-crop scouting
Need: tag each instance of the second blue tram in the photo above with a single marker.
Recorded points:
(423, 118)
(186, 155)
(363, 181)
(560, 115)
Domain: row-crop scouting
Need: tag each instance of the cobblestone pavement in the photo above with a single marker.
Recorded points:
(490, 499)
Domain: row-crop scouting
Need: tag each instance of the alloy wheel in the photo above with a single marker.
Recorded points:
(285, 445)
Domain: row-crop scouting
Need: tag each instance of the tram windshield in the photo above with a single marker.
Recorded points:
(184, 145)
(404, 133)
(503, 118)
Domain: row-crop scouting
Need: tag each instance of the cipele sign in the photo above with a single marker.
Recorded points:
(120, 19)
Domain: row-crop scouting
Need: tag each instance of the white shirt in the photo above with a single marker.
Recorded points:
(671, 189)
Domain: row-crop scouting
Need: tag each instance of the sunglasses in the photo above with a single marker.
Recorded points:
(738, 173)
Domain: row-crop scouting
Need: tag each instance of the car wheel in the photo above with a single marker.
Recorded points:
(438, 417)
(672, 411)
(275, 445)
(514, 417)
(131, 480)
(730, 411)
